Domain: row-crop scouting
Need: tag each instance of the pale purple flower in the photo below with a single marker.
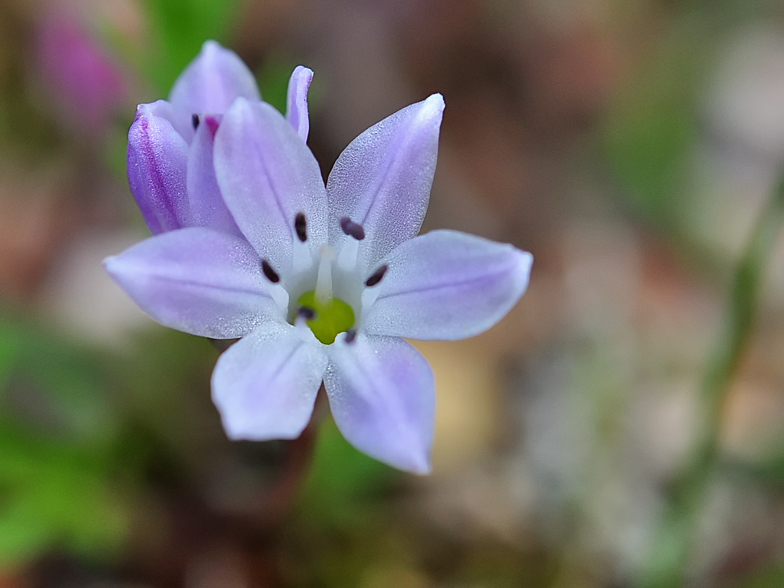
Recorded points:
(170, 144)
(323, 282)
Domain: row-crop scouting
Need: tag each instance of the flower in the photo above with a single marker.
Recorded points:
(170, 167)
(324, 281)
(85, 85)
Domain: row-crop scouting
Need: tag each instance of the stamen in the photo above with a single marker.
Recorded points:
(351, 336)
(195, 121)
(352, 229)
(306, 312)
(347, 259)
(301, 227)
(271, 274)
(324, 277)
(376, 276)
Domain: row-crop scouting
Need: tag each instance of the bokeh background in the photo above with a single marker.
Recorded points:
(629, 144)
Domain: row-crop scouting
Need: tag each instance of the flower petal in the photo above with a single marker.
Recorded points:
(382, 180)
(267, 175)
(266, 384)
(382, 396)
(181, 121)
(212, 81)
(157, 163)
(447, 285)
(196, 280)
(297, 103)
(206, 202)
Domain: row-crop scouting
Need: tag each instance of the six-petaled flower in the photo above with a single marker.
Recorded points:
(320, 282)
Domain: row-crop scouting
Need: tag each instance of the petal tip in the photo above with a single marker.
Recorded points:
(143, 111)
(244, 431)
(115, 267)
(240, 104)
(421, 467)
(430, 112)
(526, 262)
(210, 45)
(433, 108)
(304, 73)
(109, 263)
(436, 102)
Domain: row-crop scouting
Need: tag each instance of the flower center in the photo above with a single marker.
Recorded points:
(340, 292)
(330, 316)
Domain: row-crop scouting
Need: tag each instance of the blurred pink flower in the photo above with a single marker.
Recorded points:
(87, 86)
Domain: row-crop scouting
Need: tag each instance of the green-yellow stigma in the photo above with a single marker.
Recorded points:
(332, 316)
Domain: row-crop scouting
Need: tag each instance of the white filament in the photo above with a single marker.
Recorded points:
(347, 260)
(324, 278)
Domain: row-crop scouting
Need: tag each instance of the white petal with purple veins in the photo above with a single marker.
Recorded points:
(382, 180)
(157, 163)
(206, 202)
(382, 396)
(267, 175)
(447, 285)
(197, 280)
(266, 384)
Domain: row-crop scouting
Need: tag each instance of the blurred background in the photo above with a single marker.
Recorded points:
(629, 144)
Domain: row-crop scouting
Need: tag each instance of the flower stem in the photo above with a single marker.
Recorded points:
(668, 561)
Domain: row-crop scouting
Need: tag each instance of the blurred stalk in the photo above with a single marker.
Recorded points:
(669, 558)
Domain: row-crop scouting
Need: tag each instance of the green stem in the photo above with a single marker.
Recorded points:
(669, 557)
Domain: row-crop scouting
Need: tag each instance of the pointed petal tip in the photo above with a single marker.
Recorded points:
(526, 259)
(211, 50)
(524, 265)
(303, 72)
(433, 107)
(239, 431)
(420, 467)
(210, 45)
(436, 101)
(114, 266)
(212, 80)
(109, 263)
(240, 104)
(142, 110)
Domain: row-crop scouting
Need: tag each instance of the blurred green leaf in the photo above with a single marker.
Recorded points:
(54, 385)
(342, 482)
(653, 124)
(772, 577)
(178, 29)
(75, 506)
(57, 431)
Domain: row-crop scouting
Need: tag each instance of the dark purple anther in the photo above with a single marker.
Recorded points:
(352, 229)
(271, 274)
(376, 276)
(306, 312)
(351, 335)
(301, 227)
(195, 121)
